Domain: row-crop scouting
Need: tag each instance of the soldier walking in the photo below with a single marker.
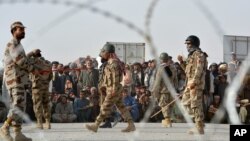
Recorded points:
(40, 90)
(160, 89)
(113, 72)
(16, 71)
(195, 69)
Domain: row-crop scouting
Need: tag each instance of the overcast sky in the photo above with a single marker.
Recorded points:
(66, 32)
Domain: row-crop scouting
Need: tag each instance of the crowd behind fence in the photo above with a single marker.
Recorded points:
(75, 96)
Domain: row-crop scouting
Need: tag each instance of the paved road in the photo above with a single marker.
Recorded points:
(145, 132)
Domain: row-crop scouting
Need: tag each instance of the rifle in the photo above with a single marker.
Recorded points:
(166, 105)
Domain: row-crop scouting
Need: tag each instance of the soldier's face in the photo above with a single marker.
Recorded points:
(105, 55)
(188, 45)
(19, 33)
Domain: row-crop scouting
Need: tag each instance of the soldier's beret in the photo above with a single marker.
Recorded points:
(17, 24)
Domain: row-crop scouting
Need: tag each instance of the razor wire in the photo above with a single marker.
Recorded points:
(232, 89)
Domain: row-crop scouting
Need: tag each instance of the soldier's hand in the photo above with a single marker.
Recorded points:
(180, 58)
(191, 85)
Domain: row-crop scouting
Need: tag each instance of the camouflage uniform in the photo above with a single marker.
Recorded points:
(111, 81)
(17, 67)
(101, 86)
(40, 91)
(160, 90)
(195, 69)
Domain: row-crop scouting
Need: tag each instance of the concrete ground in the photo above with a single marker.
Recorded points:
(144, 132)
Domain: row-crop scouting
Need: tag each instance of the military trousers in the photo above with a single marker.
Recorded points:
(107, 105)
(192, 102)
(41, 103)
(165, 99)
(17, 105)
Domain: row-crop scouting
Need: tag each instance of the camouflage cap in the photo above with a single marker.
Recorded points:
(17, 24)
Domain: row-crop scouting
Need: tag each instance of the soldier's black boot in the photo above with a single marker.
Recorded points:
(107, 123)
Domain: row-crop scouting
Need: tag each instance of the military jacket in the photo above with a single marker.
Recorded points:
(16, 65)
(41, 78)
(195, 70)
(112, 76)
(159, 85)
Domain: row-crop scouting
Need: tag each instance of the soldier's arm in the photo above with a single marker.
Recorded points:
(19, 58)
(183, 65)
(115, 75)
(182, 62)
(200, 60)
(175, 78)
(157, 82)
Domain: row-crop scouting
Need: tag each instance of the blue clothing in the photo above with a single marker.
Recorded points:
(81, 109)
(130, 101)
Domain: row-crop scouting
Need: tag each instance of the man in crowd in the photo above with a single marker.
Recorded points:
(90, 76)
(130, 103)
(64, 112)
(82, 106)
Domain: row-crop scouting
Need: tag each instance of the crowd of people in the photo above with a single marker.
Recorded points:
(116, 91)
(75, 86)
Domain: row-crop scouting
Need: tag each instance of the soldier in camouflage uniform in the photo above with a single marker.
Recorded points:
(195, 69)
(40, 90)
(16, 70)
(112, 78)
(102, 92)
(160, 89)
